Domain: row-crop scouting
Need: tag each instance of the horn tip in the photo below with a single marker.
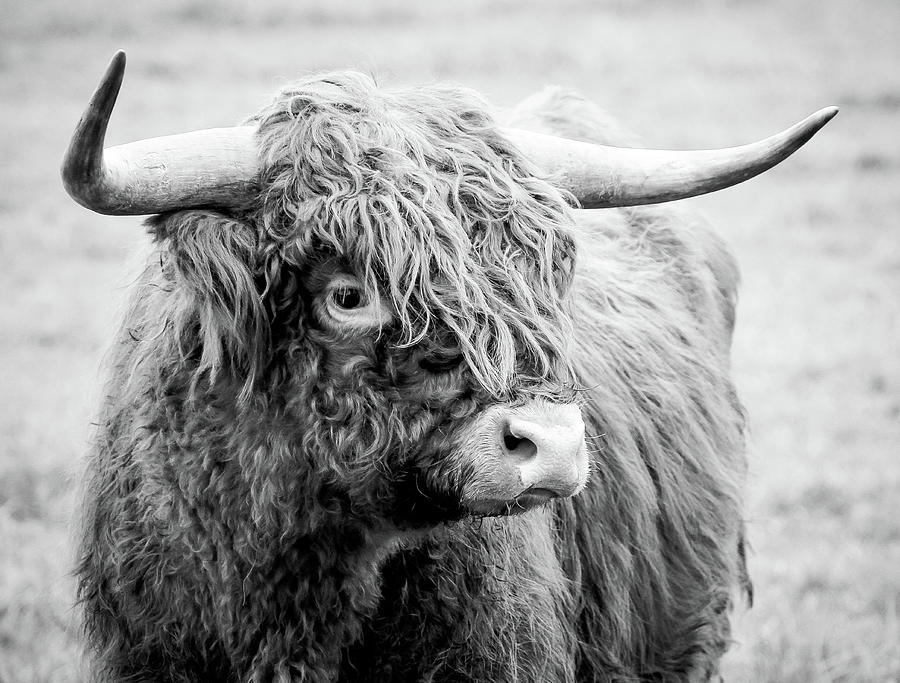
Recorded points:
(823, 116)
(116, 69)
(118, 60)
(802, 132)
(828, 113)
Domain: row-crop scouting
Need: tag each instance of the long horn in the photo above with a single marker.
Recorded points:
(215, 167)
(219, 166)
(600, 176)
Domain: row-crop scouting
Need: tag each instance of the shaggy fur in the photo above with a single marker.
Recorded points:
(274, 490)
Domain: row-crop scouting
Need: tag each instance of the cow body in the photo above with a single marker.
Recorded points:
(275, 494)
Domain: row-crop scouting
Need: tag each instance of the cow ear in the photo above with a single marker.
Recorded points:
(221, 321)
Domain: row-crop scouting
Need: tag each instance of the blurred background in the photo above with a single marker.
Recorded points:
(817, 351)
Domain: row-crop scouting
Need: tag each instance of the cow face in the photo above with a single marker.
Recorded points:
(416, 274)
(407, 430)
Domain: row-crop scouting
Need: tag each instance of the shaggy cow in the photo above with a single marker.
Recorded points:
(357, 354)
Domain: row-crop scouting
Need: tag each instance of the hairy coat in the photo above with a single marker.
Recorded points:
(274, 491)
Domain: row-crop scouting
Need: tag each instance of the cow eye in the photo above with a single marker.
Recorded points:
(345, 305)
(347, 298)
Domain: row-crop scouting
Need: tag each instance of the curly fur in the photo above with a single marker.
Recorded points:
(274, 497)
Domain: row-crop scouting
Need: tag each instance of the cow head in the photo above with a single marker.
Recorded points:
(387, 275)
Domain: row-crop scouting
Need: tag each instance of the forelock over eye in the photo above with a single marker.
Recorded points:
(344, 304)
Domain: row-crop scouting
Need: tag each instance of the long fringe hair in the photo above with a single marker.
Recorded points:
(433, 209)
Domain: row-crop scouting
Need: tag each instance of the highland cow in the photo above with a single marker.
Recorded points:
(386, 407)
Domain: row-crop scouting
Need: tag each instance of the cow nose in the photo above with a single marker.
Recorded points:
(547, 448)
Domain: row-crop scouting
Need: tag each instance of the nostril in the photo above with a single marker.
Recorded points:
(520, 447)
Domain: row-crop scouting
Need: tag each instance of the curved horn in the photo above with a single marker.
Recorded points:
(219, 166)
(601, 176)
(215, 167)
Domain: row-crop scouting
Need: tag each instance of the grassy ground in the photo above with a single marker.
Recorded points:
(817, 353)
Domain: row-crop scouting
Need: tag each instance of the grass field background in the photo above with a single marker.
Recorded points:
(817, 351)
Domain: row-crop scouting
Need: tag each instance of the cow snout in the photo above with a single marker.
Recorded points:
(547, 447)
(524, 455)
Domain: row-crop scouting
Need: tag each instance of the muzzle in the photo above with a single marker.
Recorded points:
(522, 456)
